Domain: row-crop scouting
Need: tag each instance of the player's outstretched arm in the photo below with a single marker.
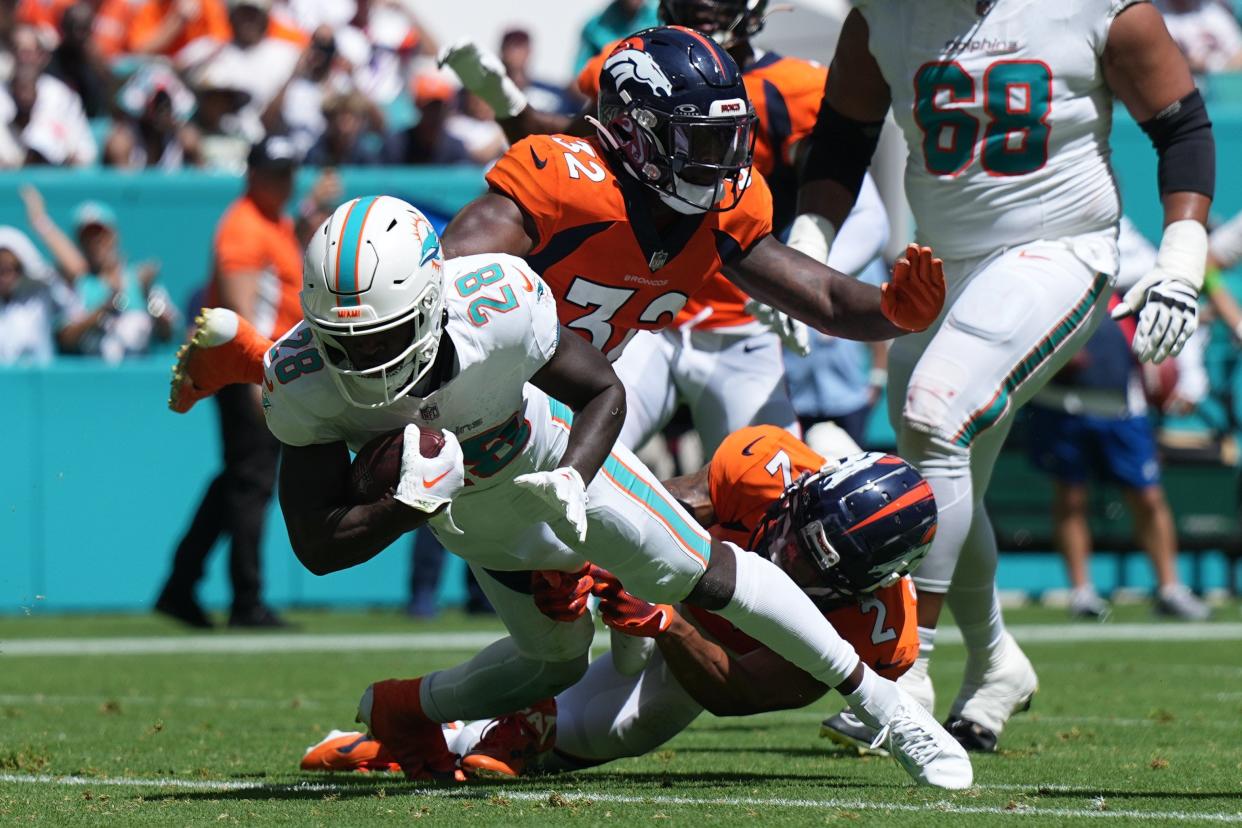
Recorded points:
(582, 378)
(492, 223)
(483, 74)
(856, 99)
(836, 304)
(729, 685)
(1145, 69)
(327, 533)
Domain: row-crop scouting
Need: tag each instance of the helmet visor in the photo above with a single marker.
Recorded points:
(705, 150)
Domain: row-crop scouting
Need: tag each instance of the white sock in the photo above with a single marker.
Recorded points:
(770, 608)
(973, 598)
(927, 643)
(875, 700)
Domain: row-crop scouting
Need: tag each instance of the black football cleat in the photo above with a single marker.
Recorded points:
(848, 730)
(972, 735)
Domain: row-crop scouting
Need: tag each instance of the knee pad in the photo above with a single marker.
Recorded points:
(932, 396)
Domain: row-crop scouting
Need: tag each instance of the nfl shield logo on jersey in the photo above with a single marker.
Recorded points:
(430, 411)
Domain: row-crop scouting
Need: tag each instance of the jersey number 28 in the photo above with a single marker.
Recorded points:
(1017, 98)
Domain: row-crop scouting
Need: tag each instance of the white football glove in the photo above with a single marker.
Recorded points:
(1167, 298)
(427, 483)
(483, 74)
(794, 335)
(812, 235)
(561, 495)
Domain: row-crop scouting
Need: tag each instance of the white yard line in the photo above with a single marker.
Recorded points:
(587, 797)
(468, 641)
(243, 644)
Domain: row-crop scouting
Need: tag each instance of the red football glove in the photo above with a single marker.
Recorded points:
(626, 613)
(913, 299)
(562, 596)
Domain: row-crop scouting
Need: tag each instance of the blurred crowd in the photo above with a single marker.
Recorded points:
(168, 84)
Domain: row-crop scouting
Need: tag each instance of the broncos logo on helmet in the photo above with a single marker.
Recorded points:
(632, 65)
(853, 527)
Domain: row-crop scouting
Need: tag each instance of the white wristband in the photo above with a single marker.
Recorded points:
(509, 102)
(1183, 252)
(812, 235)
(877, 378)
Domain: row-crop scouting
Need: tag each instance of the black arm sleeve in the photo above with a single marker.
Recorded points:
(1182, 136)
(841, 149)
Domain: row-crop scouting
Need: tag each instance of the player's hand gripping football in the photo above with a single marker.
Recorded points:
(562, 596)
(557, 497)
(794, 335)
(914, 297)
(628, 613)
(483, 74)
(1166, 299)
(428, 483)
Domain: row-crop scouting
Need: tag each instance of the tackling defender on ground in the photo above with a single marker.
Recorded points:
(845, 531)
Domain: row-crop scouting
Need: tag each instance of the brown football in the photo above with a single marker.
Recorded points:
(377, 466)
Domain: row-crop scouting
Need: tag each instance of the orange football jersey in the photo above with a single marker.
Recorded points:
(746, 476)
(607, 286)
(785, 93)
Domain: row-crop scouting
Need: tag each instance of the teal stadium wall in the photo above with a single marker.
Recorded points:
(99, 478)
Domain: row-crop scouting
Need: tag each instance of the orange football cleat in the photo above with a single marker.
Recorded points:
(512, 743)
(348, 751)
(223, 349)
(415, 742)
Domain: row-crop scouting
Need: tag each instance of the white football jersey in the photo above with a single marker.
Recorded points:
(502, 322)
(1006, 117)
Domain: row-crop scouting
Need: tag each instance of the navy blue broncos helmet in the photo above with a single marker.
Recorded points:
(850, 528)
(673, 107)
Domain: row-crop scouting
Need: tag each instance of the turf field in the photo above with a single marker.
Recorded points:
(130, 721)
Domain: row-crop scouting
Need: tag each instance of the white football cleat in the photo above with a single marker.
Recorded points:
(923, 748)
(994, 689)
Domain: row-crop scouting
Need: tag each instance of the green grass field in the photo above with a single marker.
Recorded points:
(103, 729)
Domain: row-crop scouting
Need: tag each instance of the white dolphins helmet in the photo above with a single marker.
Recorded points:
(373, 266)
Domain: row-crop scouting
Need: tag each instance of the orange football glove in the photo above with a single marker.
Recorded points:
(626, 613)
(914, 297)
(562, 596)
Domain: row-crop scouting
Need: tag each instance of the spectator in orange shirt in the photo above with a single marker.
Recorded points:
(257, 272)
(165, 27)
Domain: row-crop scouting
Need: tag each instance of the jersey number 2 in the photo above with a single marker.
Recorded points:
(879, 633)
(1017, 98)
